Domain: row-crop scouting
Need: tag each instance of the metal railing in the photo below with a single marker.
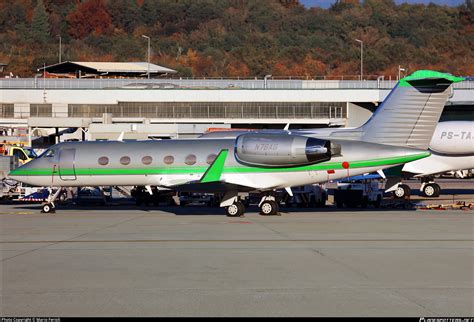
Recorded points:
(128, 83)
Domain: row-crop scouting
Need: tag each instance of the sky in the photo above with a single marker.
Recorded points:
(327, 3)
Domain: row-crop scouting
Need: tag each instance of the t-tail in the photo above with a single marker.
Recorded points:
(409, 114)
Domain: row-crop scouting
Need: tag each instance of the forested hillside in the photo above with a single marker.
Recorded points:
(240, 37)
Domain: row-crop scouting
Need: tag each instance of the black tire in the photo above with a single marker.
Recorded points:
(339, 204)
(269, 208)
(402, 191)
(431, 190)
(47, 208)
(237, 209)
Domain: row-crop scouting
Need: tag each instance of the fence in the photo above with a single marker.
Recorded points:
(63, 83)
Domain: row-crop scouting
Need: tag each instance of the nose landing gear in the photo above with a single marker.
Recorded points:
(48, 206)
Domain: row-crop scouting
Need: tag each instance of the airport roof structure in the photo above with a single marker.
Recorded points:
(79, 69)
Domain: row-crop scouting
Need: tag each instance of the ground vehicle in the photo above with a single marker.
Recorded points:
(359, 190)
(187, 198)
(307, 196)
(23, 154)
(90, 195)
(459, 174)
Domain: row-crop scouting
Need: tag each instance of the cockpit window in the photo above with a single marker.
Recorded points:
(31, 153)
(48, 153)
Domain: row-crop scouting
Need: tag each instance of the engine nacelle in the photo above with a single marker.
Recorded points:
(280, 150)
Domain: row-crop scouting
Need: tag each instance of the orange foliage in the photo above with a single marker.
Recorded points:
(89, 17)
(237, 69)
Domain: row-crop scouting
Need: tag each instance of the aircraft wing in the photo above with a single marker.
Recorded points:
(210, 180)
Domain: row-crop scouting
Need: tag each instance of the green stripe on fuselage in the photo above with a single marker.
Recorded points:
(198, 169)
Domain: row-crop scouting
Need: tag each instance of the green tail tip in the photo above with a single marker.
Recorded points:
(424, 74)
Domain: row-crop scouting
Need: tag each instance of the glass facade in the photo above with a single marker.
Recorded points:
(213, 110)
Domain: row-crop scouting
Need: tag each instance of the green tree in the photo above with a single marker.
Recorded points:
(40, 24)
(124, 14)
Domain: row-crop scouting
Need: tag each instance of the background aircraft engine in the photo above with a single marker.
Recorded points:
(280, 150)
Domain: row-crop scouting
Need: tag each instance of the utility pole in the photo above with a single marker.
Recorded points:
(60, 49)
(361, 57)
(148, 54)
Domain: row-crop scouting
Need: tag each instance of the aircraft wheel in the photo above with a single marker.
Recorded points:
(237, 209)
(47, 208)
(269, 208)
(431, 190)
(402, 191)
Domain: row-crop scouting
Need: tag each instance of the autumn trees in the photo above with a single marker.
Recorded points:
(240, 38)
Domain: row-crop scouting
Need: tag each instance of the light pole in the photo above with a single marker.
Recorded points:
(148, 54)
(361, 57)
(265, 80)
(59, 49)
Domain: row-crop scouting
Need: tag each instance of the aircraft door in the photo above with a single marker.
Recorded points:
(67, 169)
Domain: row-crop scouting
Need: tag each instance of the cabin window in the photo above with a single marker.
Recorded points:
(125, 160)
(211, 158)
(103, 160)
(190, 159)
(169, 159)
(146, 160)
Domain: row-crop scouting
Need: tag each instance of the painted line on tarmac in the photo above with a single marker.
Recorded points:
(17, 213)
(227, 240)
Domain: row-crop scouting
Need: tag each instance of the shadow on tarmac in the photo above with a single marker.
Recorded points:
(203, 210)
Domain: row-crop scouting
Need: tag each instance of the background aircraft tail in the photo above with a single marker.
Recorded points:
(409, 114)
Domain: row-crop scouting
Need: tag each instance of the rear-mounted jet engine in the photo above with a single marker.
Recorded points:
(280, 150)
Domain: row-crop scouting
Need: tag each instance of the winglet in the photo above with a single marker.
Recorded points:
(214, 172)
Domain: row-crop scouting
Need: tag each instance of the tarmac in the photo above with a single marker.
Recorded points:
(194, 261)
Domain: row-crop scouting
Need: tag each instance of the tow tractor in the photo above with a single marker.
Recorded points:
(23, 154)
(356, 191)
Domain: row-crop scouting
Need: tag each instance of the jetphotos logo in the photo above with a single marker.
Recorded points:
(422, 319)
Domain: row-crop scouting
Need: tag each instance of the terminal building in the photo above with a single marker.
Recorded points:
(59, 109)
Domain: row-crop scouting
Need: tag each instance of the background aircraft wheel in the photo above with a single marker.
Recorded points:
(47, 208)
(269, 208)
(237, 209)
(431, 190)
(402, 191)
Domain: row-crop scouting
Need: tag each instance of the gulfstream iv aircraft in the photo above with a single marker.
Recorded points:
(399, 132)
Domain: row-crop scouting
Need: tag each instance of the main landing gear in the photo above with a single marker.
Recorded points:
(268, 206)
(235, 208)
(48, 206)
(428, 188)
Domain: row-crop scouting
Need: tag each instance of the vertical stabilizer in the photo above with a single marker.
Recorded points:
(409, 114)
